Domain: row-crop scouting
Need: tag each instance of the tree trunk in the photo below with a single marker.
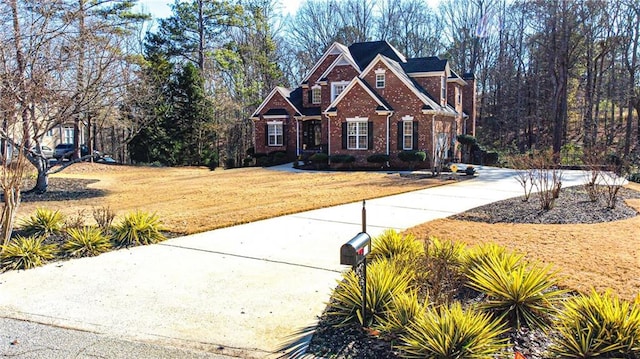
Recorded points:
(11, 204)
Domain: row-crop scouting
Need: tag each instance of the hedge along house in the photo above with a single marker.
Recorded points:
(368, 99)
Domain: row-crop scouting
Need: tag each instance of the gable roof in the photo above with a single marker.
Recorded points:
(284, 92)
(364, 52)
(382, 104)
(424, 96)
(335, 49)
(342, 59)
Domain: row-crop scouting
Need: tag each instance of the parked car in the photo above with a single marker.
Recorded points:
(64, 151)
(47, 151)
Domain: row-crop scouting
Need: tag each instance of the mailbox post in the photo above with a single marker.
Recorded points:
(354, 253)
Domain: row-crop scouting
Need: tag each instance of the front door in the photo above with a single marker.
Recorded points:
(311, 135)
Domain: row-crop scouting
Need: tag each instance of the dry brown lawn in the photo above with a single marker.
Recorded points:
(600, 256)
(190, 200)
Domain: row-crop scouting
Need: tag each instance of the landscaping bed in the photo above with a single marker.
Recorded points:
(571, 208)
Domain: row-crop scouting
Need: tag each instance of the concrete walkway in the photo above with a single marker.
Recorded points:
(238, 291)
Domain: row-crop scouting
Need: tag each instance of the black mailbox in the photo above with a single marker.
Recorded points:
(353, 252)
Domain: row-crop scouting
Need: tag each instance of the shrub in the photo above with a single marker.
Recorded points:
(469, 171)
(86, 242)
(319, 157)
(76, 220)
(412, 156)
(104, 217)
(634, 177)
(444, 263)
(522, 296)
(392, 245)
(450, 332)
(138, 228)
(490, 254)
(597, 326)
(378, 158)
(25, 253)
(385, 281)
(43, 222)
(403, 311)
(342, 159)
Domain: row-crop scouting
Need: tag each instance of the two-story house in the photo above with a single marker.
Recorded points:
(369, 99)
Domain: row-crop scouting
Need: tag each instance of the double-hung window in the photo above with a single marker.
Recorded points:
(379, 81)
(407, 135)
(67, 135)
(357, 134)
(337, 88)
(274, 133)
(316, 95)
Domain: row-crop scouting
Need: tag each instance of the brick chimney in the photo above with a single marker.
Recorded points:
(469, 103)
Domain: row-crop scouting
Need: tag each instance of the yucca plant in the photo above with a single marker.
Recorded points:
(449, 332)
(525, 295)
(597, 326)
(403, 310)
(139, 228)
(392, 245)
(385, 281)
(86, 242)
(480, 254)
(42, 223)
(26, 252)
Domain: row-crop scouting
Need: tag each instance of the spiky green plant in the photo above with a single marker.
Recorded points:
(392, 245)
(404, 308)
(525, 295)
(86, 242)
(480, 254)
(597, 326)
(139, 228)
(26, 252)
(42, 222)
(385, 280)
(449, 332)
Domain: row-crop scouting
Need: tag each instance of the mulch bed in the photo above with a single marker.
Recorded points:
(572, 206)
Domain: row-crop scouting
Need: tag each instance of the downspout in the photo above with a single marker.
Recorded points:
(433, 141)
(388, 134)
(328, 137)
(297, 138)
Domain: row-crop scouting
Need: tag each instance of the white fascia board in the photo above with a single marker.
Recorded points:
(275, 90)
(331, 50)
(402, 76)
(335, 63)
(356, 80)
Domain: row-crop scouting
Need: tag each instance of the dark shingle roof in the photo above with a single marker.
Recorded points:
(364, 52)
(311, 111)
(424, 64)
(276, 111)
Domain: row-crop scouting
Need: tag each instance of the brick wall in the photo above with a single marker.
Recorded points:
(289, 128)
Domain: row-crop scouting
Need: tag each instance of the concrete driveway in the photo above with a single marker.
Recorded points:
(238, 291)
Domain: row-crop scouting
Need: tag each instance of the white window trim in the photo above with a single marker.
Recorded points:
(381, 72)
(275, 144)
(360, 120)
(333, 88)
(316, 90)
(406, 119)
(443, 91)
(380, 81)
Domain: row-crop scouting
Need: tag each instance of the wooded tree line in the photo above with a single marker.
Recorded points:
(549, 72)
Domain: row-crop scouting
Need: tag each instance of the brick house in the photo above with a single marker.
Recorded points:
(369, 99)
